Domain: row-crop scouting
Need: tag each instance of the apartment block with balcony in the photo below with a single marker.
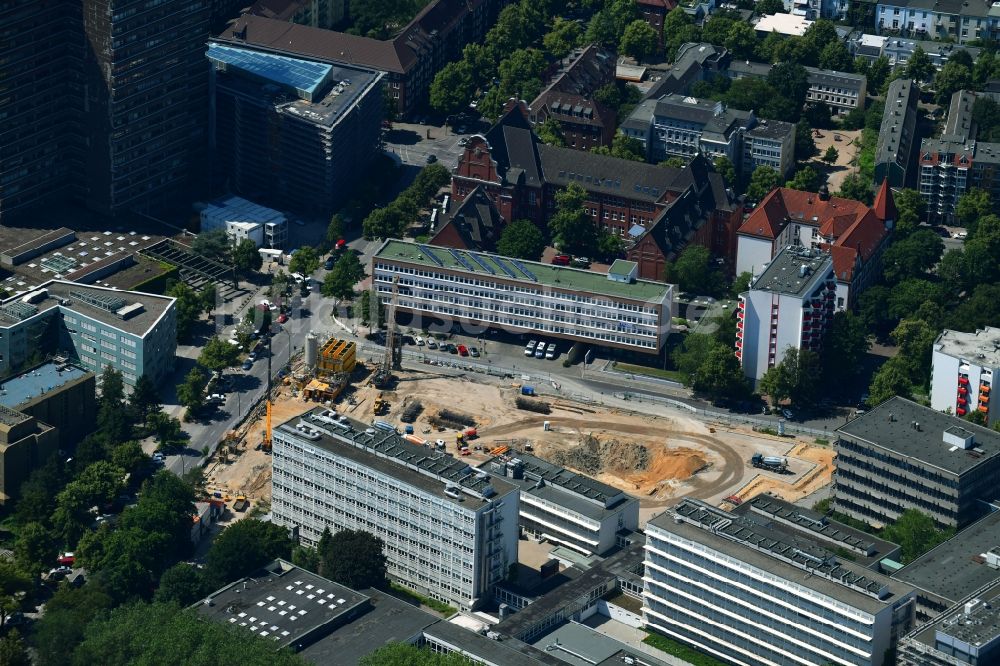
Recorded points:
(322, 124)
(902, 456)
(964, 369)
(460, 286)
(960, 21)
(789, 305)
(955, 162)
(565, 507)
(755, 592)
(449, 533)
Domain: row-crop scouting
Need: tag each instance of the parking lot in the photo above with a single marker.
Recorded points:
(414, 142)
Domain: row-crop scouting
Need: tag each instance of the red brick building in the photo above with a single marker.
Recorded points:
(655, 12)
(568, 98)
(635, 200)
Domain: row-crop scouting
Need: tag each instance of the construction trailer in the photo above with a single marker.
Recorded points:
(336, 357)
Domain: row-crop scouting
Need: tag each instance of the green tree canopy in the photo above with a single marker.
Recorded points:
(354, 558)
(550, 132)
(339, 282)
(181, 584)
(190, 306)
(246, 257)
(212, 245)
(806, 179)
(919, 65)
(572, 228)
(164, 634)
(910, 211)
(916, 534)
(892, 379)
(217, 355)
(452, 88)
(564, 36)
(831, 155)
(953, 76)
(623, 147)
(856, 187)
(145, 398)
(244, 547)
(336, 230)
(720, 375)
(35, 548)
(639, 40)
(844, 347)
(762, 181)
(67, 615)
(796, 377)
(404, 654)
(912, 256)
(726, 169)
(765, 7)
(304, 261)
(694, 272)
(972, 205)
(521, 239)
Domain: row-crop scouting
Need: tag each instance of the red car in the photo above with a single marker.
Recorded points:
(561, 260)
(282, 318)
(341, 244)
(66, 559)
(463, 350)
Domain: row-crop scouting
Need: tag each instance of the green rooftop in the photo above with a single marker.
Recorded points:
(557, 277)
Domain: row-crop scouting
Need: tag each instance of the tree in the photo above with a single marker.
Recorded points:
(845, 345)
(550, 132)
(404, 654)
(915, 339)
(831, 155)
(144, 398)
(980, 309)
(766, 7)
(520, 73)
(726, 169)
(98, 484)
(13, 650)
(246, 257)
(741, 40)
(562, 38)
(916, 534)
(791, 81)
(113, 424)
(674, 162)
(762, 181)
(720, 375)
(336, 230)
(452, 88)
(181, 584)
(305, 261)
(521, 239)
(191, 393)
(748, 93)
(161, 633)
(34, 549)
(639, 40)
(693, 271)
(572, 229)
(908, 295)
(972, 205)
(952, 76)
(836, 56)
(910, 210)
(691, 354)
(892, 379)
(354, 558)
(244, 547)
(217, 355)
(66, 618)
(129, 456)
(372, 308)
(678, 28)
(339, 282)
(805, 145)
(797, 377)
(919, 65)
(912, 256)
(806, 179)
(856, 187)
(212, 245)
(878, 72)
(189, 306)
(623, 147)
(14, 583)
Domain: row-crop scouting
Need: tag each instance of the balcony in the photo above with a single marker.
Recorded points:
(960, 411)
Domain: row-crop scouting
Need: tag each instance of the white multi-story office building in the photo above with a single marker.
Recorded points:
(133, 332)
(449, 532)
(772, 144)
(964, 367)
(790, 304)
(755, 592)
(565, 507)
(614, 310)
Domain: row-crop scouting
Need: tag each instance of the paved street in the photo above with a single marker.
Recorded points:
(412, 143)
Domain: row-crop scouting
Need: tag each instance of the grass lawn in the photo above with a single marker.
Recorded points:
(672, 375)
(680, 650)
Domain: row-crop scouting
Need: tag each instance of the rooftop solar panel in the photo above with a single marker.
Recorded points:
(303, 76)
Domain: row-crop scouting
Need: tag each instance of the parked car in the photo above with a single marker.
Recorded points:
(159, 458)
(463, 141)
(420, 341)
(463, 350)
(452, 349)
(328, 264)
(66, 559)
(540, 350)
(432, 158)
(216, 398)
(788, 414)
(282, 318)
(247, 364)
(550, 352)
(473, 352)
(580, 262)
(431, 343)
(561, 260)
(529, 349)
(252, 356)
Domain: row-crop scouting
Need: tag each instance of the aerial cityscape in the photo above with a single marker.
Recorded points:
(499, 332)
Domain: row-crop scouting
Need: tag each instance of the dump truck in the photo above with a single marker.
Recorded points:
(241, 503)
(381, 406)
(771, 463)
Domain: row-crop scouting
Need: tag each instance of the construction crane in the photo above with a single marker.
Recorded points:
(393, 351)
(266, 442)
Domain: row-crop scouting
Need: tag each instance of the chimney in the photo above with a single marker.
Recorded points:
(824, 193)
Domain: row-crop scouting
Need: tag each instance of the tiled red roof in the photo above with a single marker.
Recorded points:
(855, 228)
(885, 205)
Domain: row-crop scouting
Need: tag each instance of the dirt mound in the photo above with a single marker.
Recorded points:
(594, 456)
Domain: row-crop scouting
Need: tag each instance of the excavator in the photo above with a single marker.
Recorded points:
(265, 443)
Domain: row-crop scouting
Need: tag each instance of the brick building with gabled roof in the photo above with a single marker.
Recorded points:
(854, 234)
(521, 176)
(472, 224)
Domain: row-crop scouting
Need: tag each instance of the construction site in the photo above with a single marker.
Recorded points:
(659, 455)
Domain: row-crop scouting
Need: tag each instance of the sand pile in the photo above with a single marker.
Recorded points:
(593, 456)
